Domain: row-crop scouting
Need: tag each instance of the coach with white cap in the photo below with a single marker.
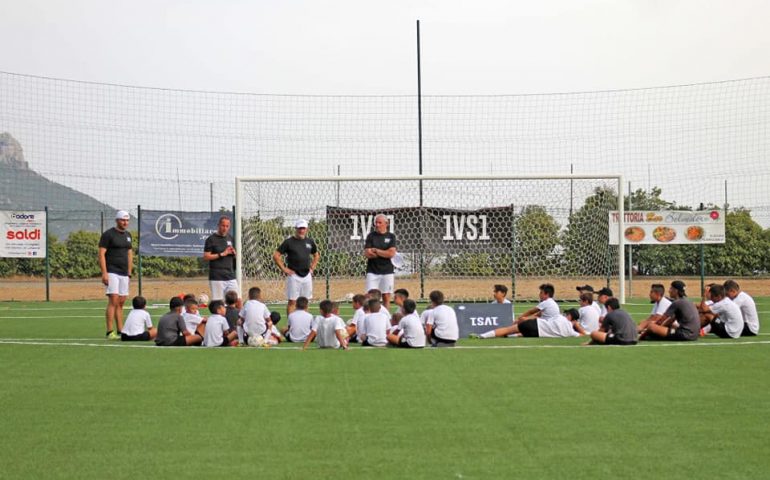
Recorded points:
(302, 257)
(116, 258)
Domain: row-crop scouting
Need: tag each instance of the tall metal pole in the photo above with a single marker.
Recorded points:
(47, 260)
(419, 156)
(630, 252)
(139, 245)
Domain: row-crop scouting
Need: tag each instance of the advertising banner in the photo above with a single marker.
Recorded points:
(425, 228)
(23, 234)
(482, 317)
(669, 227)
(176, 234)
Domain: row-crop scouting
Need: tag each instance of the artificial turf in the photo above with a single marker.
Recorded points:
(78, 406)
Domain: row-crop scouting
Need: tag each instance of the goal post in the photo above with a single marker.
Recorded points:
(458, 234)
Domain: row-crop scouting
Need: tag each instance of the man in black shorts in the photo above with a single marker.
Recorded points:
(379, 249)
(171, 328)
(301, 259)
(220, 253)
(116, 258)
(618, 328)
(682, 310)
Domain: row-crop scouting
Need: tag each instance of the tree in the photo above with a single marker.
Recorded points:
(537, 235)
(585, 241)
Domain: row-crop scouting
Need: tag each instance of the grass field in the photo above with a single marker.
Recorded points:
(77, 406)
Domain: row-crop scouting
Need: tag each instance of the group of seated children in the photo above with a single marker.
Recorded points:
(725, 311)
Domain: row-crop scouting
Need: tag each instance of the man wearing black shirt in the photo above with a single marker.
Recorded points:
(379, 249)
(301, 259)
(116, 259)
(220, 253)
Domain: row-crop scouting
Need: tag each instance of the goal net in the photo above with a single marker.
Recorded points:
(461, 235)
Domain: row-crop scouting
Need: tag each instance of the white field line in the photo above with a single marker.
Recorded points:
(459, 347)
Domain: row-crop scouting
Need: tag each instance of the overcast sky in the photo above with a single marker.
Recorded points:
(367, 47)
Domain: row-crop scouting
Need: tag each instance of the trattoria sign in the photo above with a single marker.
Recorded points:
(661, 227)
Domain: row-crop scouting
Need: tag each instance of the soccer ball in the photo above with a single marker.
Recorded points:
(203, 299)
(256, 340)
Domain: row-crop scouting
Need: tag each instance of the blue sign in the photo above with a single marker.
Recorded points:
(176, 234)
(482, 317)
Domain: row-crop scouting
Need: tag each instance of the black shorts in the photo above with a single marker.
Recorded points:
(142, 337)
(402, 343)
(679, 335)
(747, 331)
(287, 336)
(613, 340)
(528, 328)
(440, 342)
(179, 342)
(720, 330)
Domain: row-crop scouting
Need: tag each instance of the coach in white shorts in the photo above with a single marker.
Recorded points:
(220, 253)
(302, 257)
(116, 259)
(379, 249)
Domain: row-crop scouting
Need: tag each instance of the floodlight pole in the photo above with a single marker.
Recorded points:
(419, 151)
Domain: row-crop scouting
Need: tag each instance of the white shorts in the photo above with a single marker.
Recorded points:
(117, 285)
(383, 283)
(297, 286)
(220, 287)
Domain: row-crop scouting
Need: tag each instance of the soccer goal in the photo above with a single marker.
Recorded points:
(461, 235)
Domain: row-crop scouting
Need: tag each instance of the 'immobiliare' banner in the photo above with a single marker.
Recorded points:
(644, 227)
(23, 234)
(425, 228)
(176, 234)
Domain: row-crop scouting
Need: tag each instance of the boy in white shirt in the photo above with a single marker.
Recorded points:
(441, 327)
(273, 335)
(193, 320)
(588, 313)
(375, 326)
(328, 329)
(530, 322)
(410, 332)
(299, 323)
(254, 317)
(358, 316)
(218, 332)
(723, 316)
(138, 324)
(659, 302)
(746, 305)
(499, 293)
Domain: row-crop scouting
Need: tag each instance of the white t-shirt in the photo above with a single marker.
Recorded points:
(300, 323)
(191, 321)
(358, 315)
(555, 327)
(549, 309)
(602, 310)
(748, 310)
(376, 327)
(254, 314)
(216, 327)
(505, 300)
(412, 330)
(660, 307)
(730, 314)
(444, 323)
(598, 306)
(137, 322)
(326, 328)
(425, 316)
(589, 318)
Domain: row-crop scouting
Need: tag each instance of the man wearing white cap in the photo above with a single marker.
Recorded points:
(301, 259)
(116, 259)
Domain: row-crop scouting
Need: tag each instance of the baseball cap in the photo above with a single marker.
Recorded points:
(605, 291)
(300, 224)
(679, 285)
(585, 288)
(175, 302)
(122, 215)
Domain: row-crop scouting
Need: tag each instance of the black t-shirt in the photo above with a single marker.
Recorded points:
(685, 312)
(231, 314)
(380, 241)
(299, 254)
(117, 244)
(223, 268)
(621, 324)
